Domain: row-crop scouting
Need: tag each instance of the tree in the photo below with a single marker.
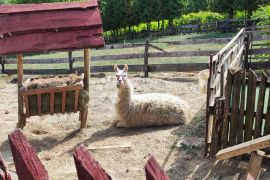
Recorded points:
(195, 6)
(171, 9)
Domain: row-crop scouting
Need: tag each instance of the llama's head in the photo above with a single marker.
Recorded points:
(121, 75)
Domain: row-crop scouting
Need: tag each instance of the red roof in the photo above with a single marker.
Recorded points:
(49, 27)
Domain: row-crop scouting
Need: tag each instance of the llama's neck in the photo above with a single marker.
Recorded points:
(125, 93)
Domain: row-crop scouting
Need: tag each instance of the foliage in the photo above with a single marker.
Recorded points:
(200, 17)
(195, 6)
(240, 15)
(262, 14)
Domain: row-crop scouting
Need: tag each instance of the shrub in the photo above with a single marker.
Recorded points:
(263, 15)
(240, 15)
(200, 17)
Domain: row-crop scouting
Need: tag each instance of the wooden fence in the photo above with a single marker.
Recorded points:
(147, 66)
(29, 166)
(236, 100)
(229, 25)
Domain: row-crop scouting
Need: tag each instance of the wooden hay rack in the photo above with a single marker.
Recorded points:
(65, 26)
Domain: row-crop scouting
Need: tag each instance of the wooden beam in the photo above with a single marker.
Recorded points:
(21, 118)
(87, 167)
(28, 165)
(153, 171)
(254, 167)
(84, 111)
(244, 148)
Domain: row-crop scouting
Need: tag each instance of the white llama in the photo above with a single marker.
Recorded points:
(147, 109)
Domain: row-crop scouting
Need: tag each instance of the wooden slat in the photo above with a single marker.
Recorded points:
(260, 51)
(27, 164)
(244, 148)
(87, 167)
(225, 126)
(252, 78)
(54, 41)
(50, 89)
(254, 166)
(242, 109)
(4, 174)
(76, 101)
(267, 119)
(23, 8)
(52, 103)
(64, 96)
(39, 104)
(153, 171)
(260, 106)
(26, 104)
(235, 108)
(73, 19)
(21, 119)
(213, 147)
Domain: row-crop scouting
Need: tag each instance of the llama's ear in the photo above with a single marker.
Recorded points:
(126, 67)
(115, 67)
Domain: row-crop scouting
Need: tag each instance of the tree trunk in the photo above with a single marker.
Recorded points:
(158, 25)
(231, 13)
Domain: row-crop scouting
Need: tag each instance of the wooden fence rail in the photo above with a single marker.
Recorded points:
(29, 166)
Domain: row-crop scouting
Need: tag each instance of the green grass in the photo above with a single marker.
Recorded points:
(166, 47)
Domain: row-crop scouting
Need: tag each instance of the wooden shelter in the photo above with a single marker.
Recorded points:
(50, 27)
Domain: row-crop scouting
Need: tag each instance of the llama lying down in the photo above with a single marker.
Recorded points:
(147, 109)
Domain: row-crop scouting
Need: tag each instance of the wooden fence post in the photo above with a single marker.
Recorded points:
(207, 104)
(28, 165)
(70, 61)
(21, 117)
(153, 171)
(4, 175)
(247, 42)
(146, 58)
(84, 111)
(2, 59)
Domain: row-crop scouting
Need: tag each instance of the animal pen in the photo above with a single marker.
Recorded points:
(238, 104)
(64, 26)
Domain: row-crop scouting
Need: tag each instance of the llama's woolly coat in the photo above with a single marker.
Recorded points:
(150, 109)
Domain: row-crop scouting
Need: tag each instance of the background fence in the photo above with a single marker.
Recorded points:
(257, 57)
(229, 25)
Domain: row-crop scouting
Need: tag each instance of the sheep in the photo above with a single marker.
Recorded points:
(147, 110)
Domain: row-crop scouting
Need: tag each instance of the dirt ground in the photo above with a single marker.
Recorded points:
(179, 149)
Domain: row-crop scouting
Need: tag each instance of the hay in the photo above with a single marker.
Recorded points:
(45, 98)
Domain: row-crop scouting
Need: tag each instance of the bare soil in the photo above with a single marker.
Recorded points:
(178, 149)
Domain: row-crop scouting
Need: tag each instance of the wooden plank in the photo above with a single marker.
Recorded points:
(23, 8)
(72, 19)
(153, 170)
(253, 171)
(198, 41)
(213, 146)
(182, 53)
(251, 93)
(240, 34)
(70, 61)
(54, 41)
(260, 65)
(52, 103)
(64, 96)
(235, 108)
(21, 119)
(225, 126)
(244, 148)
(4, 175)
(267, 119)
(27, 164)
(260, 51)
(39, 104)
(26, 104)
(84, 111)
(242, 109)
(87, 167)
(76, 101)
(260, 106)
(50, 90)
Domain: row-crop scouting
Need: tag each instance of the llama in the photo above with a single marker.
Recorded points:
(147, 110)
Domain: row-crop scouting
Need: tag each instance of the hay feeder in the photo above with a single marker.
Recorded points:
(65, 26)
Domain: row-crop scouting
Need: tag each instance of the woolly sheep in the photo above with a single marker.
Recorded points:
(147, 109)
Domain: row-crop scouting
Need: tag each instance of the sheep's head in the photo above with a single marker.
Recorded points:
(121, 75)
